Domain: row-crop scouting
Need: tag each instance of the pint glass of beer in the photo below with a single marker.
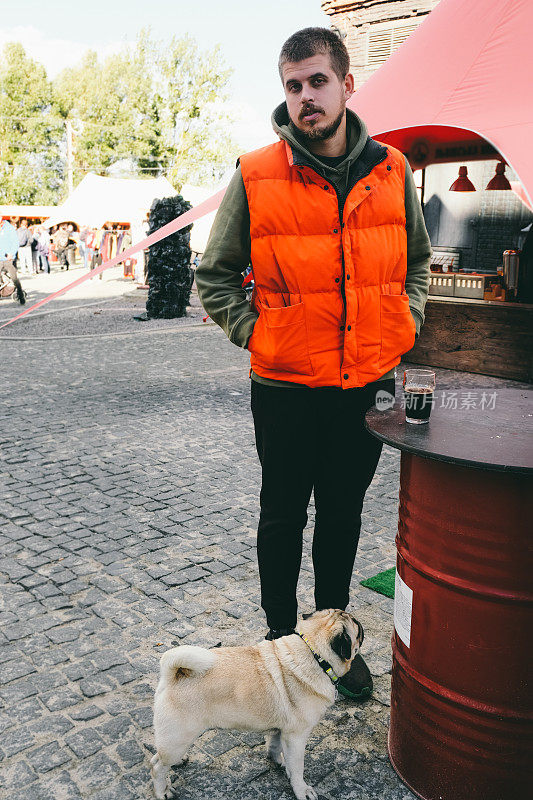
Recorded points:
(418, 388)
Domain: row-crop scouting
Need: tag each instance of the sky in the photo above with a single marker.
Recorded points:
(57, 32)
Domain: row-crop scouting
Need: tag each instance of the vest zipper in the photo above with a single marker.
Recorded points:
(341, 228)
(343, 287)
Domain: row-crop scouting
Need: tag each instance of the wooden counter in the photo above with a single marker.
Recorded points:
(484, 336)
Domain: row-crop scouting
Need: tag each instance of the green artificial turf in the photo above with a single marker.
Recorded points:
(383, 582)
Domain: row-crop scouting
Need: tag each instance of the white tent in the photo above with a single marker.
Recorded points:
(202, 227)
(97, 200)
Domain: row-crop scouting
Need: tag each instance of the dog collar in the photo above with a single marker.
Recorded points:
(325, 666)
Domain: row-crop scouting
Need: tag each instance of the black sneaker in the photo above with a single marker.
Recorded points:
(278, 633)
(357, 683)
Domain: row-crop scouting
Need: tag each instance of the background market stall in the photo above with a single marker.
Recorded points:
(34, 214)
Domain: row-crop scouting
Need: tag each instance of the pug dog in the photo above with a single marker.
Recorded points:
(282, 687)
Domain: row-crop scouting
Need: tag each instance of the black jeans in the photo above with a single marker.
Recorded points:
(311, 439)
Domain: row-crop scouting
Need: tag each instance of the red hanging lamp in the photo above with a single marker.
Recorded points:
(463, 182)
(499, 181)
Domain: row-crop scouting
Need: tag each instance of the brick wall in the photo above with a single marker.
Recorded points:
(359, 21)
(501, 216)
(480, 224)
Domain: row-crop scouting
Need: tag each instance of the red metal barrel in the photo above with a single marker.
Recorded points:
(462, 682)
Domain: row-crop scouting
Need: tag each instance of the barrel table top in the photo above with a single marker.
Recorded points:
(496, 434)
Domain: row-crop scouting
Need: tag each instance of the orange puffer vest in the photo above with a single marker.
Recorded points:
(330, 294)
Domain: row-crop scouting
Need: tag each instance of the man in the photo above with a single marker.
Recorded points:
(25, 256)
(331, 223)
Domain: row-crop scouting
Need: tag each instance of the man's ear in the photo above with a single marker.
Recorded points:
(341, 644)
(349, 86)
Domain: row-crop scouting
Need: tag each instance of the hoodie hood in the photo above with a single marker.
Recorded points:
(356, 135)
(362, 152)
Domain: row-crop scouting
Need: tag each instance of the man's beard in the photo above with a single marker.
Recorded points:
(320, 134)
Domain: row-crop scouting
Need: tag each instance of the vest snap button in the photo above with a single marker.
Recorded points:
(389, 167)
(346, 376)
(347, 277)
(337, 280)
(335, 230)
(349, 327)
(367, 188)
(342, 327)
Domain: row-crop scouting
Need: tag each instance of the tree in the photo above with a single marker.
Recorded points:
(168, 267)
(109, 107)
(156, 108)
(192, 86)
(31, 131)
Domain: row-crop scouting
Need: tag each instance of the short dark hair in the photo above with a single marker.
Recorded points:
(310, 41)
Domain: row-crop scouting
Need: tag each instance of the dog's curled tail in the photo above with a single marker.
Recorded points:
(185, 661)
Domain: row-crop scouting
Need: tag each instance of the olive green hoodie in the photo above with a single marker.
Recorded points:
(219, 275)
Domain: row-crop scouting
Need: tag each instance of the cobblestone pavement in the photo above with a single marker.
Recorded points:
(112, 285)
(113, 312)
(129, 496)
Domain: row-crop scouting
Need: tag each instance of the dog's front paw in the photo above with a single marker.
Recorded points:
(160, 790)
(159, 777)
(305, 792)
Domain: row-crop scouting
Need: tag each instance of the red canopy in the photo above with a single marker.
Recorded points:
(460, 81)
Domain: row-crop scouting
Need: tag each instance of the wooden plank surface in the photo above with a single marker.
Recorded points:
(477, 337)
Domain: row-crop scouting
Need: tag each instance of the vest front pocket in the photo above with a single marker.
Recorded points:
(397, 326)
(279, 340)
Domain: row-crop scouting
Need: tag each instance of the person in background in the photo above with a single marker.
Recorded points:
(9, 244)
(72, 245)
(34, 253)
(9, 241)
(139, 231)
(43, 249)
(82, 244)
(24, 257)
(97, 257)
(90, 246)
(60, 241)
